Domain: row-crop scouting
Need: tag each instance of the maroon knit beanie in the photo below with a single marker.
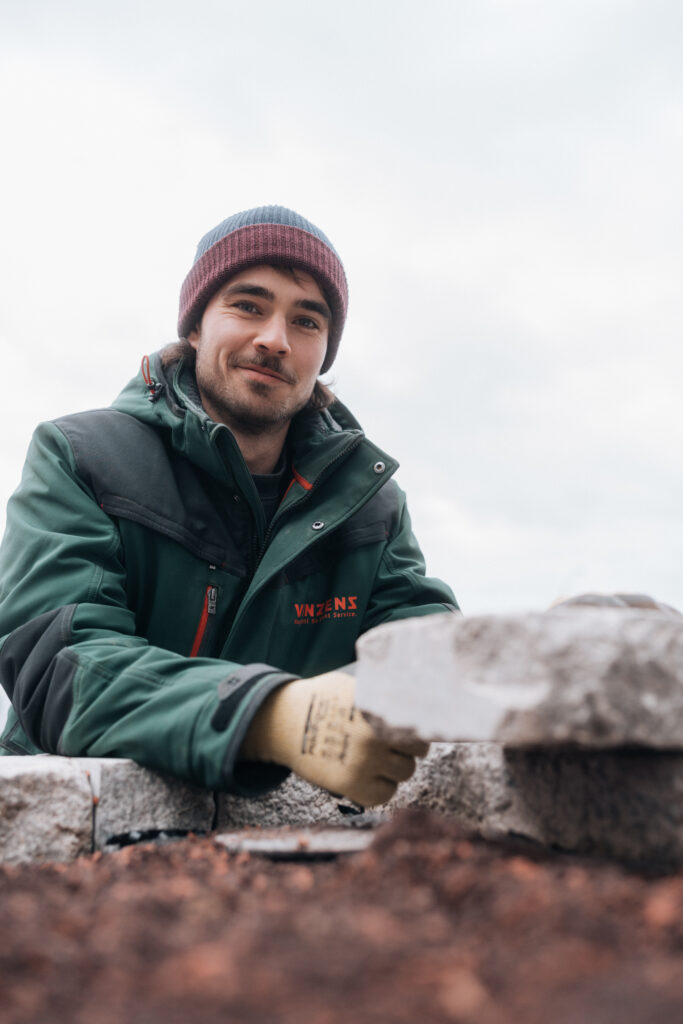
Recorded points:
(272, 235)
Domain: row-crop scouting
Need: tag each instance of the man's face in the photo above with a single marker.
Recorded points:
(260, 345)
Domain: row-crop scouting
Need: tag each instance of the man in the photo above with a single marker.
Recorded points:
(183, 574)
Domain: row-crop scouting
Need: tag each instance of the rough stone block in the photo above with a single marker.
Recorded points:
(295, 802)
(466, 781)
(622, 804)
(46, 810)
(131, 798)
(593, 677)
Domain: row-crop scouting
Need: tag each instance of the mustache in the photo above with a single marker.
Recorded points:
(273, 363)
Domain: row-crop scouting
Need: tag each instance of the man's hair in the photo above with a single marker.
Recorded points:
(321, 398)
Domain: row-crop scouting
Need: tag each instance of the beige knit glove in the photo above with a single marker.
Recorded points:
(312, 726)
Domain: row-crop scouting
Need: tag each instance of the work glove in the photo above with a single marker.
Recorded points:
(313, 727)
(620, 601)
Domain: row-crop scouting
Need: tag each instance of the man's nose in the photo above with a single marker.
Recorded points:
(272, 336)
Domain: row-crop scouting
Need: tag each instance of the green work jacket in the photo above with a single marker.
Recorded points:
(146, 610)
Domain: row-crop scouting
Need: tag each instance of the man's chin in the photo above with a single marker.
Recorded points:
(254, 410)
(253, 417)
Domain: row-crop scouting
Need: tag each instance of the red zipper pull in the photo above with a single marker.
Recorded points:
(154, 387)
(209, 608)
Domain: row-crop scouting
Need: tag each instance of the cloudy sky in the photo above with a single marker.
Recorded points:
(503, 180)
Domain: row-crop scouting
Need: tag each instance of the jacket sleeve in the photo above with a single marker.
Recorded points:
(80, 680)
(401, 588)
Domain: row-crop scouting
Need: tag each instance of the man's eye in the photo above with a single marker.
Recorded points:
(307, 321)
(245, 306)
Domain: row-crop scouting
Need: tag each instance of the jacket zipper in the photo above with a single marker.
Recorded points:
(295, 504)
(300, 501)
(209, 608)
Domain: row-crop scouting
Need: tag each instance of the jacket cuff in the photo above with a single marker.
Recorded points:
(242, 694)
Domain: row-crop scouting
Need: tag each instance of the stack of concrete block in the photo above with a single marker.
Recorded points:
(565, 728)
(570, 724)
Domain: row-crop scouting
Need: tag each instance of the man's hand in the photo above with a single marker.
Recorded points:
(313, 727)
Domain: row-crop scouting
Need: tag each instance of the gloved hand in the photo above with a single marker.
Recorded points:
(619, 601)
(312, 726)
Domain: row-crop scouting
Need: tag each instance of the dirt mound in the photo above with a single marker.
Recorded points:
(426, 925)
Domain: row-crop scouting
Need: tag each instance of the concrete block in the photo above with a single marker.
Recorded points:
(46, 810)
(131, 798)
(295, 802)
(593, 677)
(621, 804)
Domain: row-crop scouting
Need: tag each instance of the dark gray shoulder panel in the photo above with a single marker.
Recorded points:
(385, 505)
(136, 474)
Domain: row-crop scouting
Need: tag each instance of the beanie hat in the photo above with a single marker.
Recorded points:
(272, 235)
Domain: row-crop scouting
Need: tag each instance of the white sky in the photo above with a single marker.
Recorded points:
(503, 180)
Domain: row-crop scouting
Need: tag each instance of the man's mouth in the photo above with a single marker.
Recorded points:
(263, 370)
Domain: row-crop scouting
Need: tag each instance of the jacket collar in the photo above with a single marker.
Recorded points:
(318, 442)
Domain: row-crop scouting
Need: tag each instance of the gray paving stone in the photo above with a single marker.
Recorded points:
(131, 798)
(594, 677)
(295, 802)
(621, 804)
(46, 810)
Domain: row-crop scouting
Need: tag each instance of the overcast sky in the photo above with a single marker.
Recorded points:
(503, 180)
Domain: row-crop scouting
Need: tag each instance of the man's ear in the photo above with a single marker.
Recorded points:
(193, 336)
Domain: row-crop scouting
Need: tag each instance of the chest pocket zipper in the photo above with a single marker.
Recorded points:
(208, 610)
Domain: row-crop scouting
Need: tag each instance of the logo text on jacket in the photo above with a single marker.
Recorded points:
(333, 608)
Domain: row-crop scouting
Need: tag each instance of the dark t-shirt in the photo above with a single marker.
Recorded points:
(271, 486)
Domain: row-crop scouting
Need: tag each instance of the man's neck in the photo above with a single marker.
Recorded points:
(261, 451)
(260, 446)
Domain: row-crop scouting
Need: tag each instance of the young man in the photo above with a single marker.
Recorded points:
(183, 574)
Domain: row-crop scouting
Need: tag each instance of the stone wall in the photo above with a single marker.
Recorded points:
(626, 805)
(565, 729)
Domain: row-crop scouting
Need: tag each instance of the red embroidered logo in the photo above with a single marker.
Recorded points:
(333, 608)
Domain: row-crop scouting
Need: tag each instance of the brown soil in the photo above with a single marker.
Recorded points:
(425, 926)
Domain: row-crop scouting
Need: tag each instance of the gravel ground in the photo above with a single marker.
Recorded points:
(426, 925)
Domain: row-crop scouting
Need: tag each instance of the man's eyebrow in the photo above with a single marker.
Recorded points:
(258, 291)
(315, 307)
(244, 288)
